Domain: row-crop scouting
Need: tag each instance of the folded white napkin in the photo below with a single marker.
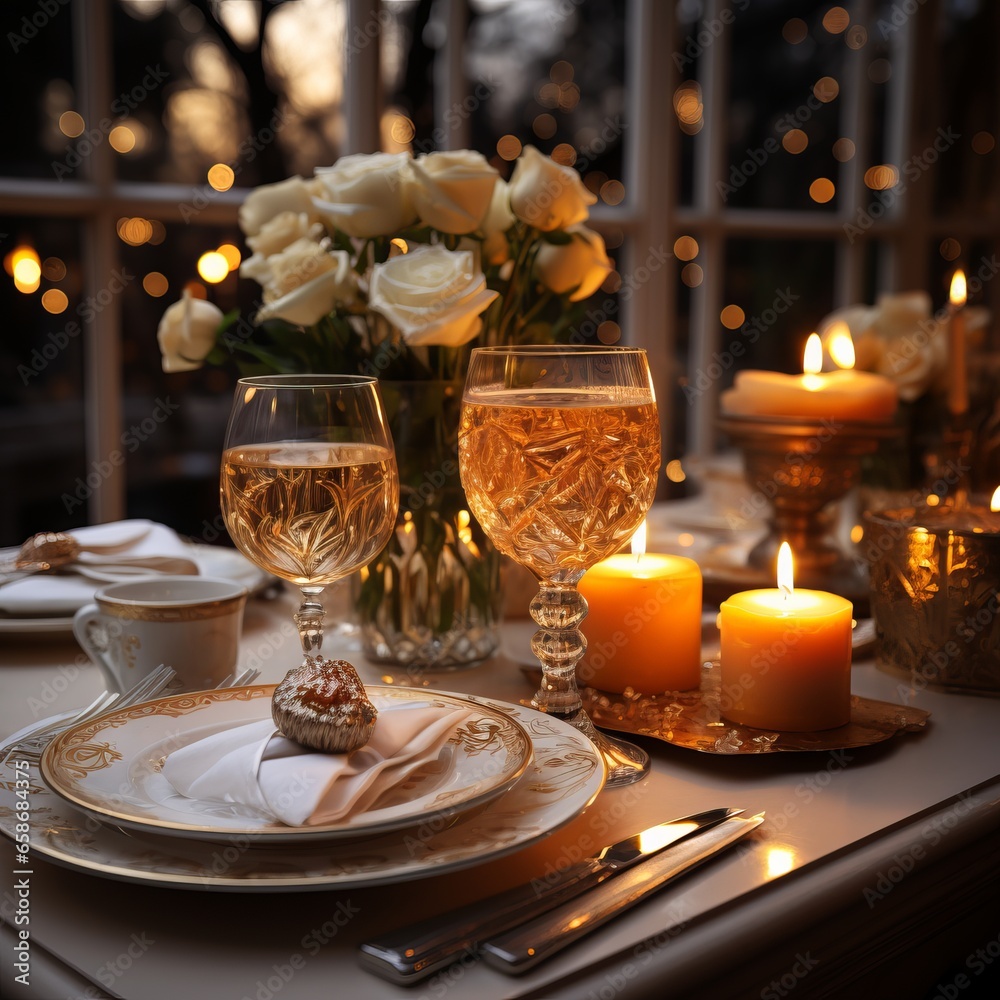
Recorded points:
(64, 592)
(275, 778)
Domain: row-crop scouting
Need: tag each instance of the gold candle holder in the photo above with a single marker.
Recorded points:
(934, 580)
(799, 468)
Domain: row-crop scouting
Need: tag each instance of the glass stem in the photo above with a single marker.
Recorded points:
(558, 609)
(309, 619)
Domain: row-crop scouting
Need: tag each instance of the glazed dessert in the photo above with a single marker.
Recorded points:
(323, 705)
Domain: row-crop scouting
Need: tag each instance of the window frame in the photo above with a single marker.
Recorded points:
(650, 217)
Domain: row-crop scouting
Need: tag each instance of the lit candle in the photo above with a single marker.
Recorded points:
(786, 656)
(643, 628)
(958, 390)
(844, 394)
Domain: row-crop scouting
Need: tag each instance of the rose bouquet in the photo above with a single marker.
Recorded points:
(395, 266)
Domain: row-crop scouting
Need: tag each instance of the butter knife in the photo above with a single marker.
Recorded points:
(523, 947)
(412, 953)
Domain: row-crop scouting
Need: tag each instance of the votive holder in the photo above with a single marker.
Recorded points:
(934, 573)
(799, 468)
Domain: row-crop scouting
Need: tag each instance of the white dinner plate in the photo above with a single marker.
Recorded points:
(212, 560)
(111, 767)
(563, 778)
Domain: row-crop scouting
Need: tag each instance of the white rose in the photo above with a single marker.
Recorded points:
(365, 194)
(432, 295)
(283, 230)
(451, 191)
(579, 266)
(187, 333)
(498, 220)
(914, 342)
(546, 195)
(305, 282)
(269, 200)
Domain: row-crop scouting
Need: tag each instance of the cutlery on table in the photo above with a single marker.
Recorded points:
(30, 743)
(523, 947)
(414, 952)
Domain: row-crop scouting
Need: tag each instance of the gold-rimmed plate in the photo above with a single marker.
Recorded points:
(111, 767)
(563, 778)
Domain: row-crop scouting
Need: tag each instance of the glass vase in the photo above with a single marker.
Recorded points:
(432, 598)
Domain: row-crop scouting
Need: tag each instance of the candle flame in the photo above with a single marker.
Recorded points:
(995, 502)
(639, 541)
(812, 356)
(957, 293)
(841, 346)
(785, 569)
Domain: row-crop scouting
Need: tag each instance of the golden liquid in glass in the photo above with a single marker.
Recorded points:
(559, 480)
(309, 512)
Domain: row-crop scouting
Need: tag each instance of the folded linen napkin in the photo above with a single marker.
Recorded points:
(65, 592)
(254, 766)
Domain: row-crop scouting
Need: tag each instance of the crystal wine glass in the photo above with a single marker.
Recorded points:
(559, 450)
(309, 485)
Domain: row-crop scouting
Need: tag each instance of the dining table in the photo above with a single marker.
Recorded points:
(875, 872)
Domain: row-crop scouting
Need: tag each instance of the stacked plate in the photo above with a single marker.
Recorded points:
(100, 804)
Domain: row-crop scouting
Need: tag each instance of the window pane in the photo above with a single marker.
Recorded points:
(255, 88)
(36, 77)
(781, 126)
(548, 74)
(968, 162)
(41, 407)
(174, 423)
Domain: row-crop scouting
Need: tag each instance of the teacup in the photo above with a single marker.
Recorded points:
(190, 623)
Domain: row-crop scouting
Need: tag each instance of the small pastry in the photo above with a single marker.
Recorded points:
(323, 705)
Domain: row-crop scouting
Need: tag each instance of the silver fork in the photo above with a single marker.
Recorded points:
(30, 746)
(239, 678)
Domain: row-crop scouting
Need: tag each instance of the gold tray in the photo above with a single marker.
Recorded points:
(692, 719)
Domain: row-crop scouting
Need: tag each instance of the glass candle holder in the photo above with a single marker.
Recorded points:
(934, 574)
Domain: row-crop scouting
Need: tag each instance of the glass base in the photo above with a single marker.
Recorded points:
(624, 762)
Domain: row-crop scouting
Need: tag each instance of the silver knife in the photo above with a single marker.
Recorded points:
(415, 952)
(519, 949)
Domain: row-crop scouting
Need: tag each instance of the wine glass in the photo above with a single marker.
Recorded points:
(559, 451)
(309, 485)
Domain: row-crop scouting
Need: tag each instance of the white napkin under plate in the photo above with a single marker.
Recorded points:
(276, 778)
(65, 592)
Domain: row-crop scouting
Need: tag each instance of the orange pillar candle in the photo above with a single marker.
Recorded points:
(786, 657)
(643, 628)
